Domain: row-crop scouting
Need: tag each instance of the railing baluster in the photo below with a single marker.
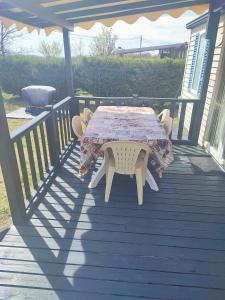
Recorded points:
(181, 121)
(172, 108)
(22, 160)
(87, 104)
(192, 124)
(80, 107)
(43, 141)
(31, 160)
(53, 136)
(97, 103)
(64, 125)
(38, 153)
(68, 123)
(161, 106)
(61, 129)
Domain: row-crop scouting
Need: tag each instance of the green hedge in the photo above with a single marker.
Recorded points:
(100, 76)
(17, 72)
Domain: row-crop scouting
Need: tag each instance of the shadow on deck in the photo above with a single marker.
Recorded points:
(77, 247)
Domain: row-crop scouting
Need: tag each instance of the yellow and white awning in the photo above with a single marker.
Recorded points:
(55, 14)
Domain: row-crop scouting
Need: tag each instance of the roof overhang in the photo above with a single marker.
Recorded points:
(54, 14)
(220, 7)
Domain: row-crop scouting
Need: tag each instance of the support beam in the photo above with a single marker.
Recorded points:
(69, 71)
(211, 34)
(68, 63)
(10, 170)
(41, 12)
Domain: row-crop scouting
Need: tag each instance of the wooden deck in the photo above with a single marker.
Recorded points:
(77, 247)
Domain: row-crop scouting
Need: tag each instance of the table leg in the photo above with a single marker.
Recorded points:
(151, 181)
(98, 176)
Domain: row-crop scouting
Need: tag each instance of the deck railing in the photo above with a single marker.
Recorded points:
(31, 154)
(37, 149)
(41, 145)
(178, 108)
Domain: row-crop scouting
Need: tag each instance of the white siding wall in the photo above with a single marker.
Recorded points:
(214, 78)
(213, 82)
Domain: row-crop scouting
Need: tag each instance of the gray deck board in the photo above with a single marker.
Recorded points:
(77, 247)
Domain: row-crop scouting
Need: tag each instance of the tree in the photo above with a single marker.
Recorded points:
(53, 49)
(6, 38)
(77, 47)
(104, 43)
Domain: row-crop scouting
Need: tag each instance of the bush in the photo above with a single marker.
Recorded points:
(19, 71)
(100, 76)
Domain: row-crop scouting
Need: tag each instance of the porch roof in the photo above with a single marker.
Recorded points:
(50, 14)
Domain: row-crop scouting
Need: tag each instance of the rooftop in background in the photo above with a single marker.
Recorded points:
(179, 48)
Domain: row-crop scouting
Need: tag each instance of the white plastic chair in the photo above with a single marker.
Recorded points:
(168, 125)
(128, 158)
(164, 114)
(87, 115)
(77, 126)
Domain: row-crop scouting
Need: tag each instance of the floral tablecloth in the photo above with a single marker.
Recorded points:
(115, 123)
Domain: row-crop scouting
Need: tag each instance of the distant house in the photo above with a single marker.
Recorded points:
(173, 50)
(212, 132)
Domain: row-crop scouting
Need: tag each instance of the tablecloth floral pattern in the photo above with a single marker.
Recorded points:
(115, 123)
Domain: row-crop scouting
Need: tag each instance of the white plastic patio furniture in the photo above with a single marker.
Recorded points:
(167, 125)
(124, 123)
(127, 158)
(77, 126)
(102, 171)
(87, 115)
(164, 114)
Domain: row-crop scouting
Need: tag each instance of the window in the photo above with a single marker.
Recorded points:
(198, 64)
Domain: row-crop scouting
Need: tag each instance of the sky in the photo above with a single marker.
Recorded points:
(165, 30)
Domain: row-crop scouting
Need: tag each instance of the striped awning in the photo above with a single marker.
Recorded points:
(55, 14)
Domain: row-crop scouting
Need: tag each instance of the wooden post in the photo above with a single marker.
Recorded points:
(53, 136)
(10, 170)
(68, 63)
(211, 34)
(69, 72)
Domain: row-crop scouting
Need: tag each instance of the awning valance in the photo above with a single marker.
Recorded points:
(54, 14)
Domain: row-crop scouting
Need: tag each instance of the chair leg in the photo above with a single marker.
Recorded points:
(139, 182)
(109, 180)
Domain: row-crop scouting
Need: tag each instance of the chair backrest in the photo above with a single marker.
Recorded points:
(125, 155)
(87, 115)
(168, 125)
(164, 114)
(77, 126)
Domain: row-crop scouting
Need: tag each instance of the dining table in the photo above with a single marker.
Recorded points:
(125, 123)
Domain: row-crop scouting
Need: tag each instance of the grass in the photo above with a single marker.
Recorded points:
(11, 103)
